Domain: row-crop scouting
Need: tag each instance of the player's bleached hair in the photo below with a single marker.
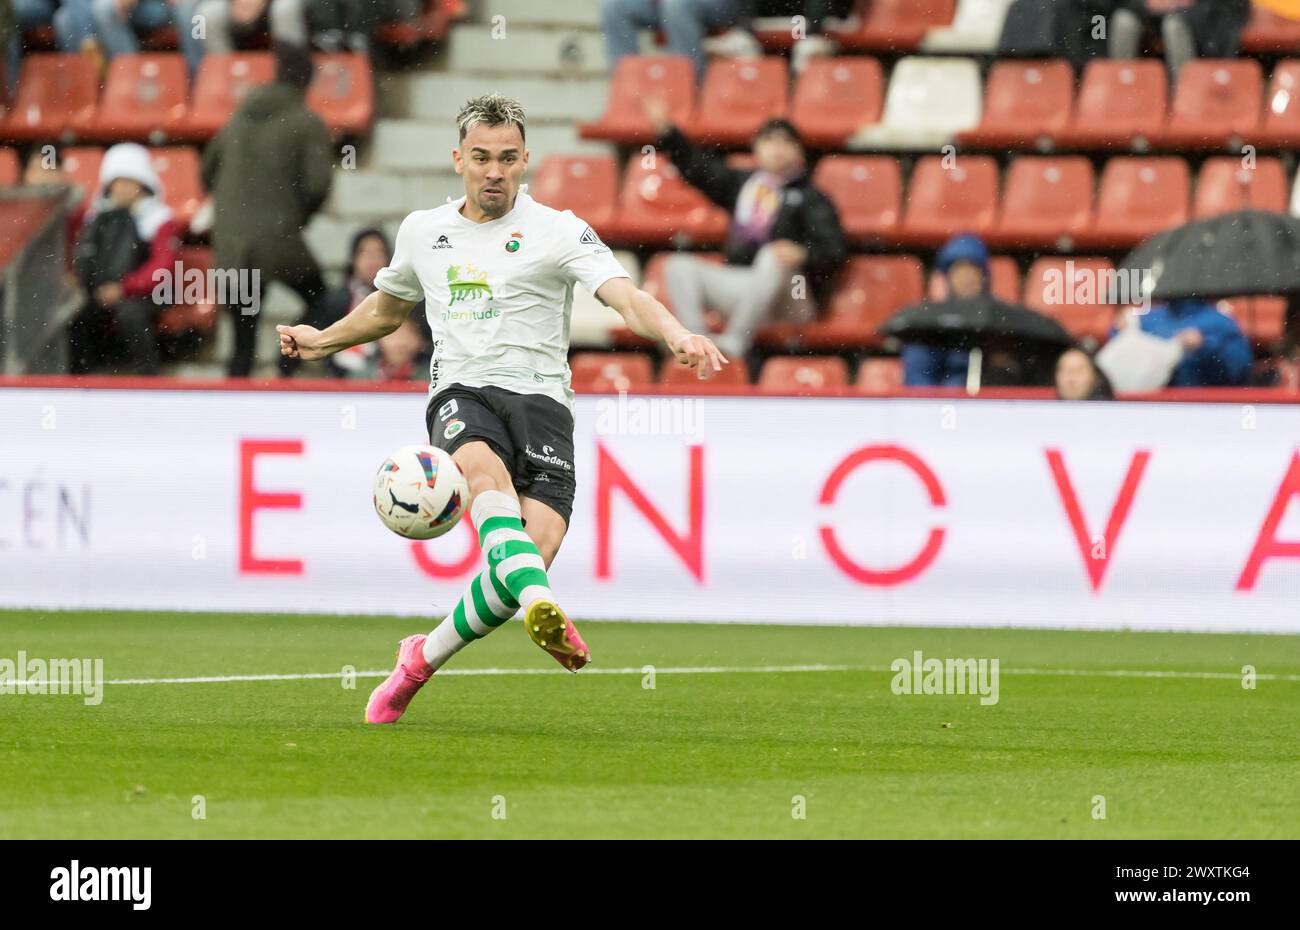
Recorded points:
(493, 109)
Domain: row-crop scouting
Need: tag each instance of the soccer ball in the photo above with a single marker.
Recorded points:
(419, 492)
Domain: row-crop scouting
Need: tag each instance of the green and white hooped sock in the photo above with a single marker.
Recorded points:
(515, 575)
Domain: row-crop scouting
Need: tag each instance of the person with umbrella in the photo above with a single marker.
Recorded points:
(1215, 351)
(964, 263)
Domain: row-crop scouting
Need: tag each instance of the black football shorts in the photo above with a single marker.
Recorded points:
(532, 433)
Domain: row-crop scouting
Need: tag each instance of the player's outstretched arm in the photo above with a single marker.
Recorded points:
(375, 317)
(648, 317)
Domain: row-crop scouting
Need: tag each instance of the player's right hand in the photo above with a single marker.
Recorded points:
(300, 342)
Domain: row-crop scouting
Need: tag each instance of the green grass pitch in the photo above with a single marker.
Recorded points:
(704, 754)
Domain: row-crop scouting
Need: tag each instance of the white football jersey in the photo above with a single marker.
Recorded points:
(498, 295)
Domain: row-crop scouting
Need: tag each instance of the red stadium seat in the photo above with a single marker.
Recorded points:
(798, 374)
(732, 375)
(1225, 186)
(1217, 103)
(879, 376)
(1004, 281)
(342, 93)
(867, 190)
(1026, 104)
(1282, 114)
(1047, 202)
(190, 318)
(1138, 197)
(144, 98)
(1067, 289)
(658, 208)
(1120, 104)
(57, 94)
(894, 25)
(834, 96)
(430, 26)
(652, 279)
(1267, 33)
(738, 96)
(11, 172)
(870, 290)
(178, 169)
(669, 77)
(81, 165)
(611, 371)
(1262, 319)
(585, 184)
(944, 200)
(222, 83)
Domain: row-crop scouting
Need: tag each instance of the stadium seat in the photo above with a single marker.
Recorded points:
(732, 375)
(946, 199)
(1053, 284)
(599, 372)
(222, 83)
(669, 77)
(867, 190)
(430, 26)
(1120, 104)
(1138, 197)
(11, 172)
(834, 96)
(870, 290)
(1047, 202)
(1004, 281)
(737, 96)
(1225, 186)
(1026, 104)
(1217, 103)
(144, 98)
(804, 375)
(585, 184)
(190, 318)
(893, 25)
(657, 208)
(929, 102)
(879, 376)
(976, 28)
(342, 93)
(1281, 127)
(81, 165)
(178, 169)
(56, 95)
(1267, 33)
(1262, 319)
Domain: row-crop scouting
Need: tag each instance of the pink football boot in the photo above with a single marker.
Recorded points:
(388, 702)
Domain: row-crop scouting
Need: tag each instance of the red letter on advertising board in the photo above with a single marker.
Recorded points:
(435, 569)
(1096, 562)
(1267, 545)
(610, 476)
(251, 499)
(894, 576)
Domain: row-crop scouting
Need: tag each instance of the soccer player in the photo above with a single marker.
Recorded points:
(496, 270)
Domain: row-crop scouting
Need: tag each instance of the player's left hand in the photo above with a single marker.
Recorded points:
(698, 352)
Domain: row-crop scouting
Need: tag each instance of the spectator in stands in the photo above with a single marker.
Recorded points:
(1079, 378)
(351, 24)
(964, 263)
(231, 23)
(782, 229)
(127, 234)
(810, 38)
(685, 23)
(1215, 351)
(269, 170)
(1209, 28)
(392, 358)
(118, 21)
(73, 22)
(1055, 29)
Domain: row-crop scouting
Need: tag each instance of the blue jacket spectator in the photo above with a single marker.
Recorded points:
(964, 261)
(1217, 353)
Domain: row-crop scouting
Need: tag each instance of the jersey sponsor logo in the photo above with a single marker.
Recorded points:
(547, 455)
(448, 409)
(465, 282)
(453, 428)
(442, 243)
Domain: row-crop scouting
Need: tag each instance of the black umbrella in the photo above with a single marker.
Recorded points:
(1234, 255)
(977, 322)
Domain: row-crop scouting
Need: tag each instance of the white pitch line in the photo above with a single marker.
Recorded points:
(694, 670)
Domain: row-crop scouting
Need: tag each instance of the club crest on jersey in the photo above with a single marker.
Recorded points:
(516, 242)
(454, 427)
